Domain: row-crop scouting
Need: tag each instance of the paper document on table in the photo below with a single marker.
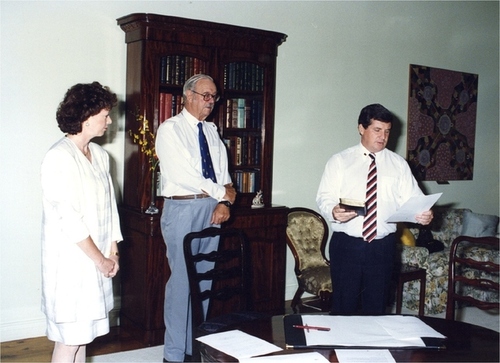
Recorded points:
(367, 331)
(406, 327)
(238, 344)
(415, 205)
(310, 357)
(364, 356)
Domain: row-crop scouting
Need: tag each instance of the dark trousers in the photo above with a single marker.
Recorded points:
(361, 273)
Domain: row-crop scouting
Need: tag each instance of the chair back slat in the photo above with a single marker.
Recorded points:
(467, 273)
(487, 266)
(228, 279)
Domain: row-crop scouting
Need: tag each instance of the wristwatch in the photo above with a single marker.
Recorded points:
(226, 203)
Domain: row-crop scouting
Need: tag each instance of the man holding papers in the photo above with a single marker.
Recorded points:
(362, 246)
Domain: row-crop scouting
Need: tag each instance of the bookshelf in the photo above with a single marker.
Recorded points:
(162, 53)
(242, 123)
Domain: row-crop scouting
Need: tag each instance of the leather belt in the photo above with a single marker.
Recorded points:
(190, 196)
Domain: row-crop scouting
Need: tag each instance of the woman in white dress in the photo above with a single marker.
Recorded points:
(80, 225)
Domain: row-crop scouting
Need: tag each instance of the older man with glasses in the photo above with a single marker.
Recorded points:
(198, 194)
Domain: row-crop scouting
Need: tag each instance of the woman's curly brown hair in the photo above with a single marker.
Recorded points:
(81, 102)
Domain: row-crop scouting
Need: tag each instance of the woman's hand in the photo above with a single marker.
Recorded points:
(116, 267)
(107, 267)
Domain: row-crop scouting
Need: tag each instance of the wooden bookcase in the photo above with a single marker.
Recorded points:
(163, 52)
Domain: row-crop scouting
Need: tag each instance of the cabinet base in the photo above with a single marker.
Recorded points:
(150, 338)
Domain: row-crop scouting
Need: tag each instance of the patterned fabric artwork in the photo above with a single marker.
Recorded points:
(441, 123)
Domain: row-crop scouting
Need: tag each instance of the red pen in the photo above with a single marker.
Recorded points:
(307, 327)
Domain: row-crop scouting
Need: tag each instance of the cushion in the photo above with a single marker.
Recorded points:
(405, 235)
(479, 225)
(447, 224)
(305, 231)
(316, 279)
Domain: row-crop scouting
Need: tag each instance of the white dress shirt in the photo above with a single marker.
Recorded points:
(178, 150)
(345, 175)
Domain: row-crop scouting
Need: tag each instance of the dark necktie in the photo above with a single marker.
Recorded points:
(370, 222)
(206, 160)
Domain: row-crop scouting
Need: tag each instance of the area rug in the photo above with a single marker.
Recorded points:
(151, 354)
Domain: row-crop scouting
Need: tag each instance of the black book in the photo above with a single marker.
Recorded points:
(357, 206)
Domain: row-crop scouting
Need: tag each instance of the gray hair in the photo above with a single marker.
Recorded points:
(191, 83)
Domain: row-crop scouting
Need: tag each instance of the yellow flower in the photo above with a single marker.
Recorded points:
(146, 140)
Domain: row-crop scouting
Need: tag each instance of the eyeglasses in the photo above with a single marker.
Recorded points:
(207, 96)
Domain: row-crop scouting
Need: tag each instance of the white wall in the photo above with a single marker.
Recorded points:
(339, 56)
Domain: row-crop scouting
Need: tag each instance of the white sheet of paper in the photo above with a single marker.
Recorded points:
(364, 356)
(310, 357)
(239, 344)
(368, 331)
(414, 205)
(407, 327)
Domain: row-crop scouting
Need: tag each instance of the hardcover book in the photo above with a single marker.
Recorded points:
(357, 206)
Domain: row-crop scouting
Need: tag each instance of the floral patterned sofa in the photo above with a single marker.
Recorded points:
(448, 223)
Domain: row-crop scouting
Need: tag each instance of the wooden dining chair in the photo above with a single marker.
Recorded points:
(307, 234)
(228, 297)
(471, 281)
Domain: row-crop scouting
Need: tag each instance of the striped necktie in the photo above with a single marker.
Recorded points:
(206, 160)
(370, 222)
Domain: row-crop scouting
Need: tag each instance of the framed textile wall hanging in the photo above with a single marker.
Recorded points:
(441, 123)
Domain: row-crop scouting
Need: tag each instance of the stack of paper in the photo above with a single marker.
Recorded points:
(367, 331)
(247, 348)
(413, 206)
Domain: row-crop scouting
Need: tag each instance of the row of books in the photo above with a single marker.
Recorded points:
(169, 105)
(239, 76)
(246, 181)
(177, 69)
(244, 150)
(244, 113)
(244, 76)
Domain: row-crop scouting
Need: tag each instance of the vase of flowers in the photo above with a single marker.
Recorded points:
(146, 141)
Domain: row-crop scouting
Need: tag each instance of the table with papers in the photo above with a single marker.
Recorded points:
(265, 340)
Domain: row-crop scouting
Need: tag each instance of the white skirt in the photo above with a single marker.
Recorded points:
(77, 333)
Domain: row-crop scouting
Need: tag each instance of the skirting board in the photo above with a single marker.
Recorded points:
(22, 329)
(290, 292)
(36, 327)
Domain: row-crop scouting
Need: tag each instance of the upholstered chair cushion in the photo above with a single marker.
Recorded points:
(315, 279)
(306, 233)
(447, 224)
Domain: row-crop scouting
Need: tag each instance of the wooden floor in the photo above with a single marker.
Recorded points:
(40, 349)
